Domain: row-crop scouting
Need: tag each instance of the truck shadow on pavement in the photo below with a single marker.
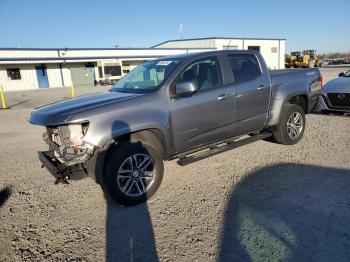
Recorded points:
(5, 193)
(129, 231)
(288, 212)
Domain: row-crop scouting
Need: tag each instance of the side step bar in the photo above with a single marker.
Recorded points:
(219, 148)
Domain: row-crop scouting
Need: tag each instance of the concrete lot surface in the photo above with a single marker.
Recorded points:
(262, 202)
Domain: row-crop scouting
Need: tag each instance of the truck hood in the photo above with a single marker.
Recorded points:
(58, 113)
(339, 85)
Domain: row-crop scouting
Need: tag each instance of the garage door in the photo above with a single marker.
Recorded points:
(82, 76)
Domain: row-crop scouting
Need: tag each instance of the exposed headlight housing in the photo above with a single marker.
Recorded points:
(76, 134)
(73, 133)
(67, 142)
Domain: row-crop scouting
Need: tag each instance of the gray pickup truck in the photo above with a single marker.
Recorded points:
(186, 107)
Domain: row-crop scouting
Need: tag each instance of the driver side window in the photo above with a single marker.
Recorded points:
(204, 73)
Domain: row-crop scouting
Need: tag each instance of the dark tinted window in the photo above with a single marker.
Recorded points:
(244, 67)
(14, 73)
(100, 72)
(254, 47)
(113, 70)
(205, 74)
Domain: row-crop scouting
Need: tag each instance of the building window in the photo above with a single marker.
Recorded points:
(89, 65)
(254, 47)
(229, 47)
(14, 73)
(273, 49)
(113, 70)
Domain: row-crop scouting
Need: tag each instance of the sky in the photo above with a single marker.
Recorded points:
(323, 25)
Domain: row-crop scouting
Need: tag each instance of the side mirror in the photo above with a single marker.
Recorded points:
(185, 89)
(341, 74)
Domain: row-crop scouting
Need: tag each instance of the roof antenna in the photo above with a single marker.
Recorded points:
(180, 31)
(228, 44)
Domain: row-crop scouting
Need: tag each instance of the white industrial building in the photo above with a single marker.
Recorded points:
(32, 68)
(273, 50)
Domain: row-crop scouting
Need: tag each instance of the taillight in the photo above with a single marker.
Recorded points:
(321, 81)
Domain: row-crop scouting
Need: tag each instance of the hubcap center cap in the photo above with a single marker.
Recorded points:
(135, 174)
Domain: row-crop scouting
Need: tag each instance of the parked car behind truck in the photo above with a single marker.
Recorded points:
(336, 94)
(186, 107)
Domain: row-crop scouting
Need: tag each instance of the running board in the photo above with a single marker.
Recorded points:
(219, 148)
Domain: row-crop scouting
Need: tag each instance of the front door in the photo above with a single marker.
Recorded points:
(41, 75)
(205, 116)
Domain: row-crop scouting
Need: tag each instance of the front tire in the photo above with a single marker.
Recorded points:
(133, 172)
(291, 126)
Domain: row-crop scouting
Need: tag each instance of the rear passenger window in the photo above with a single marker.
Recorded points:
(244, 67)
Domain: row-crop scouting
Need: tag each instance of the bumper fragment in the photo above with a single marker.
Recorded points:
(61, 172)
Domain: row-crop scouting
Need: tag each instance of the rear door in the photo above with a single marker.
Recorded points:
(252, 90)
(206, 115)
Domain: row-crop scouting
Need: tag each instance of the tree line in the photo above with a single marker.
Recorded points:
(335, 55)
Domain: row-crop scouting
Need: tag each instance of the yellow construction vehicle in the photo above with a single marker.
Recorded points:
(308, 59)
(294, 56)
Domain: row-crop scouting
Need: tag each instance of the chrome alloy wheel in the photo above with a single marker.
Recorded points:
(136, 175)
(295, 125)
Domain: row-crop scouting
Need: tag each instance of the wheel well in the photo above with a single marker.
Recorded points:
(153, 135)
(300, 100)
(96, 164)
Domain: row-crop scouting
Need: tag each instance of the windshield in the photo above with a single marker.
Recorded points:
(296, 53)
(146, 77)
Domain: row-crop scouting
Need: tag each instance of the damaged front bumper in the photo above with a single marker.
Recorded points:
(60, 171)
(67, 156)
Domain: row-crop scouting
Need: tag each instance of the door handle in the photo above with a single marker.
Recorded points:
(262, 87)
(222, 97)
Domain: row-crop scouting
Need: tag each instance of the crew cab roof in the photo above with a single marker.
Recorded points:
(210, 53)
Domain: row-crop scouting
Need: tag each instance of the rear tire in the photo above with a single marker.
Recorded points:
(291, 126)
(133, 172)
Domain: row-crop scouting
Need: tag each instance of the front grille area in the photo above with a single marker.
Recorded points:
(341, 100)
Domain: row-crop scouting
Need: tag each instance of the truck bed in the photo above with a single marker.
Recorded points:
(280, 72)
(300, 80)
(298, 76)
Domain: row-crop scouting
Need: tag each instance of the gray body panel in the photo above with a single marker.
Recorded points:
(187, 122)
(339, 85)
(200, 118)
(293, 82)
